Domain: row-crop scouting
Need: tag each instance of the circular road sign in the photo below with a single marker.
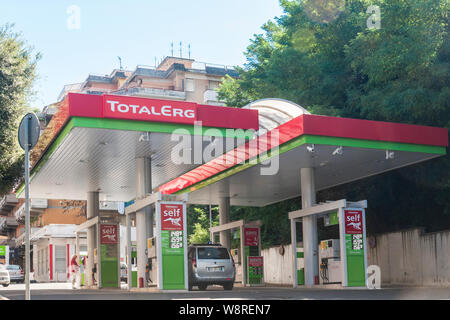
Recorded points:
(31, 131)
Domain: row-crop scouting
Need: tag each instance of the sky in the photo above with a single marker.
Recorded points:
(136, 30)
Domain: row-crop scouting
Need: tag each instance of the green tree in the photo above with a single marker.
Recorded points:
(335, 65)
(17, 73)
(198, 223)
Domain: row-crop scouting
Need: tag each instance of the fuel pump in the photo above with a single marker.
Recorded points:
(152, 263)
(330, 262)
(235, 255)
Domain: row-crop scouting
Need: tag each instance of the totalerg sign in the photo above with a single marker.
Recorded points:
(122, 107)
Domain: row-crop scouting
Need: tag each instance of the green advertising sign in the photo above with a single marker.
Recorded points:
(255, 270)
(172, 231)
(2, 251)
(109, 255)
(354, 248)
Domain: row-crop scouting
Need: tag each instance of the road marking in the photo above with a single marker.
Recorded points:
(3, 298)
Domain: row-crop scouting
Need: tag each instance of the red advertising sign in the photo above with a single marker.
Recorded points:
(109, 234)
(125, 107)
(171, 216)
(255, 262)
(251, 237)
(353, 221)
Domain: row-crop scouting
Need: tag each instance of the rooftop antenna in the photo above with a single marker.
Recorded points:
(189, 50)
(120, 62)
(171, 48)
(181, 50)
(155, 62)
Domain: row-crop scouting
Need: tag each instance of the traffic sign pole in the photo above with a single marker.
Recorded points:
(27, 210)
(29, 130)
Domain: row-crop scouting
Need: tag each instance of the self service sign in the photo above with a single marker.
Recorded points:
(172, 245)
(355, 247)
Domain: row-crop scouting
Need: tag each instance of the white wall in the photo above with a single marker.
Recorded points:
(411, 257)
(277, 267)
(407, 257)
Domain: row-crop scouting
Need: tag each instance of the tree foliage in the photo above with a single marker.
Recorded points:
(198, 223)
(398, 73)
(17, 72)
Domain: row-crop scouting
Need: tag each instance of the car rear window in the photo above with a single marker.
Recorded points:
(213, 253)
(13, 267)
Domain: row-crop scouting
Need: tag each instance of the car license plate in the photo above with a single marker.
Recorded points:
(215, 269)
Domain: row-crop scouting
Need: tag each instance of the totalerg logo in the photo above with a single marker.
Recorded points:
(163, 111)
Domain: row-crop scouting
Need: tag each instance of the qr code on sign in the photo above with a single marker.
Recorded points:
(357, 242)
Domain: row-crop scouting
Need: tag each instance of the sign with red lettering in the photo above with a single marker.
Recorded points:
(171, 217)
(109, 234)
(255, 262)
(251, 237)
(125, 107)
(353, 221)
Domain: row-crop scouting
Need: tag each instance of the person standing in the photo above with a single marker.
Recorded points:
(74, 269)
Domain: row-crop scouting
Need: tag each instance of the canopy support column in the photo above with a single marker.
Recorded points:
(143, 187)
(92, 211)
(309, 224)
(224, 217)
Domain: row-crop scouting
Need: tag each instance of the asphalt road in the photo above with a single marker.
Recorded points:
(63, 292)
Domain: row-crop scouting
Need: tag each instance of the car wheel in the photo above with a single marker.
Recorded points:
(5, 285)
(202, 287)
(228, 286)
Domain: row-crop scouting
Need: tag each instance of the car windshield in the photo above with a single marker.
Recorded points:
(213, 253)
(13, 267)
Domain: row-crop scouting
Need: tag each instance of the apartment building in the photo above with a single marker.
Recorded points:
(173, 79)
(53, 221)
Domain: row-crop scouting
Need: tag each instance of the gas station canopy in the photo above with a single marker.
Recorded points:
(340, 150)
(91, 144)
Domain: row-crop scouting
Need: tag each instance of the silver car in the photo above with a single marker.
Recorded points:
(15, 273)
(4, 276)
(209, 265)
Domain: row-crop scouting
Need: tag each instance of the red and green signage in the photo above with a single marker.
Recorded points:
(355, 247)
(109, 255)
(255, 270)
(172, 256)
(124, 107)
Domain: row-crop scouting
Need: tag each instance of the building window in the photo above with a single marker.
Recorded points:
(213, 84)
(190, 85)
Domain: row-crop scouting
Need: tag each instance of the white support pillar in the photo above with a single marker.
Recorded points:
(92, 211)
(224, 217)
(129, 250)
(294, 252)
(143, 187)
(309, 224)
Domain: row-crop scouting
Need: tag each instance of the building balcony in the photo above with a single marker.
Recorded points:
(7, 224)
(37, 207)
(211, 97)
(152, 93)
(7, 203)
